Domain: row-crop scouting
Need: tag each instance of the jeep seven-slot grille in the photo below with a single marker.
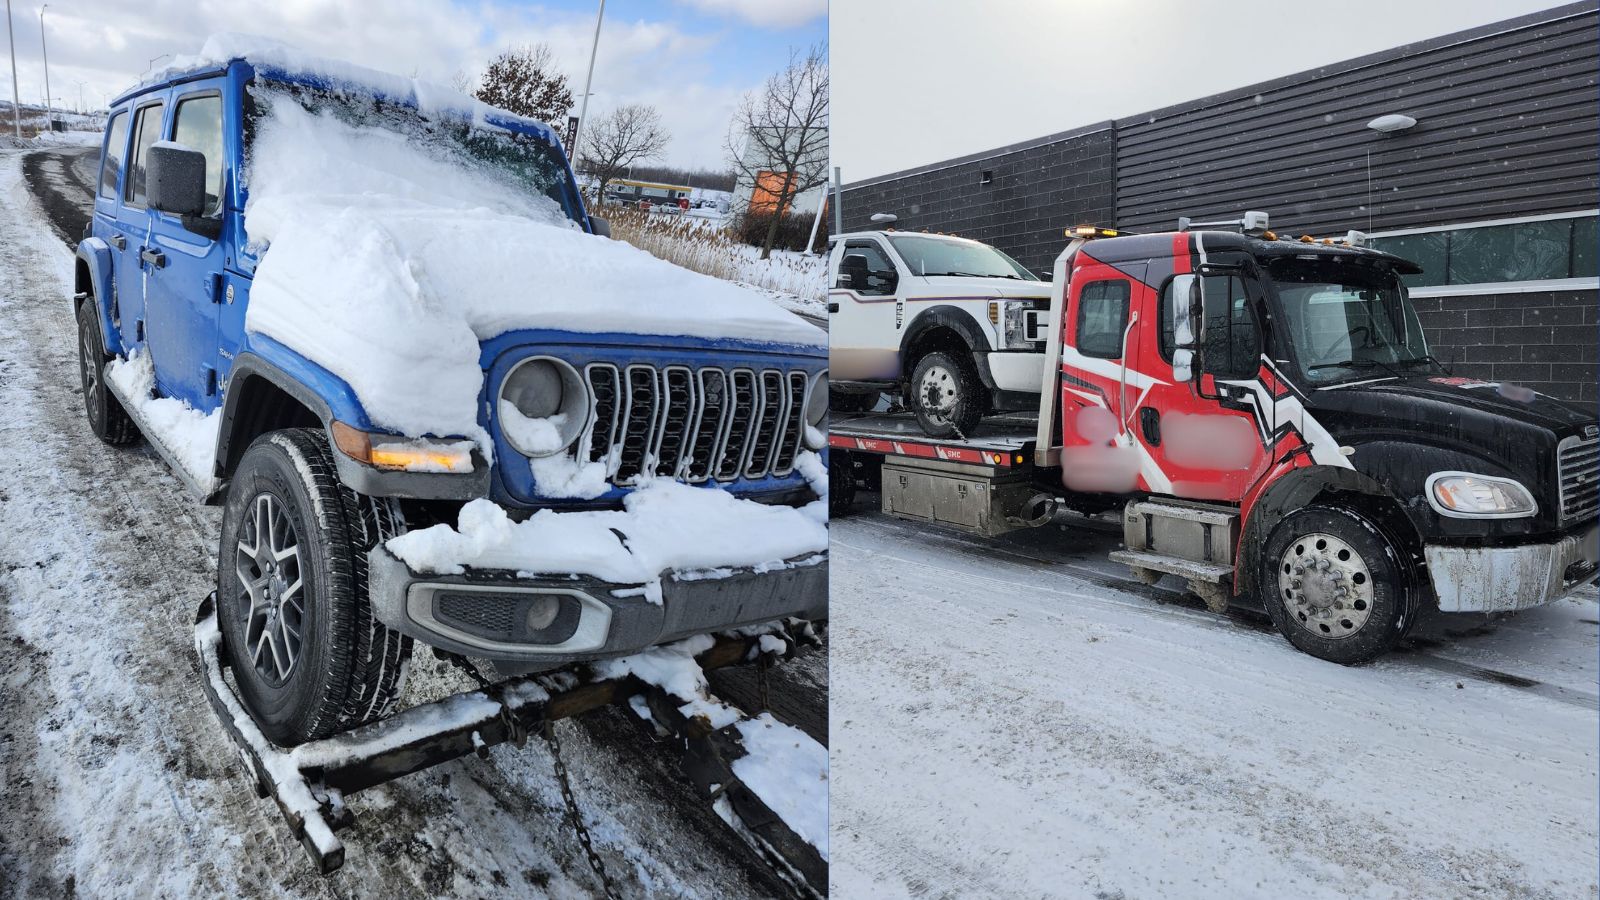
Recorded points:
(1579, 464)
(695, 424)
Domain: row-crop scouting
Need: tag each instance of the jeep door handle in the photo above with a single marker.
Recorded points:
(119, 242)
(153, 257)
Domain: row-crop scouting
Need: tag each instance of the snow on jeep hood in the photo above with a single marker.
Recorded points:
(391, 260)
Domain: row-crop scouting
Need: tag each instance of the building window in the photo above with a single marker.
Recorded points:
(1519, 251)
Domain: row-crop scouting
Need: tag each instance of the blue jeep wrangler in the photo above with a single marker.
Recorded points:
(317, 614)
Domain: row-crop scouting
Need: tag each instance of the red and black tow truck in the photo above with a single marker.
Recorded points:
(1266, 415)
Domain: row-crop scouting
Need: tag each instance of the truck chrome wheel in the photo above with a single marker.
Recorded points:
(1326, 585)
(267, 562)
(938, 393)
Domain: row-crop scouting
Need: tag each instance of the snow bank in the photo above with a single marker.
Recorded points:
(188, 433)
(391, 257)
(789, 772)
(663, 526)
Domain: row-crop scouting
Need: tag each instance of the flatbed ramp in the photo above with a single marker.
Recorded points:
(983, 483)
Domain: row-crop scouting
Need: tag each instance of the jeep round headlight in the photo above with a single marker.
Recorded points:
(817, 404)
(1463, 495)
(544, 406)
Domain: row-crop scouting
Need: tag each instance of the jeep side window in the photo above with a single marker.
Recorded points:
(877, 261)
(1232, 339)
(1102, 318)
(111, 159)
(197, 124)
(146, 131)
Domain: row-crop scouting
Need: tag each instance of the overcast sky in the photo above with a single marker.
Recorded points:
(691, 59)
(916, 82)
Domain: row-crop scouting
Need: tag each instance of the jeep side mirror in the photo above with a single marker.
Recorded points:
(853, 272)
(1188, 302)
(600, 226)
(175, 179)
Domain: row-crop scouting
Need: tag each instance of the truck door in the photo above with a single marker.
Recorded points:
(864, 320)
(1210, 438)
(1100, 380)
(131, 228)
(183, 270)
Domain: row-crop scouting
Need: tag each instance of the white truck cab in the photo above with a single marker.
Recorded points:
(953, 324)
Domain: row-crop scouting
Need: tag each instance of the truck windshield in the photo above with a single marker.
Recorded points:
(1348, 322)
(942, 256)
(519, 162)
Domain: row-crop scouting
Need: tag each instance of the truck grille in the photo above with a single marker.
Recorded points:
(1579, 465)
(694, 425)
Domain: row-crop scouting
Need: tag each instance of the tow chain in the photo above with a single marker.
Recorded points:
(595, 862)
(562, 778)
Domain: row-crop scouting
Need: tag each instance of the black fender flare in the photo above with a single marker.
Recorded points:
(957, 320)
(1299, 488)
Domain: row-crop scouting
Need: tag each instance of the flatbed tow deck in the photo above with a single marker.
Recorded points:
(310, 782)
(986, 484)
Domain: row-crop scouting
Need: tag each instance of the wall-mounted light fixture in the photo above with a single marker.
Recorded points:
(1391, 123)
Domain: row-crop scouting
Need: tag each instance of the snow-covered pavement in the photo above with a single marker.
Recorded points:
(115, 780)
(1015, 717)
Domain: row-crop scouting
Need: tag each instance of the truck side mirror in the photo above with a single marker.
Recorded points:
(890, 279)
(853, 272)
(1188, 321)
(600, 226)
(175, 179)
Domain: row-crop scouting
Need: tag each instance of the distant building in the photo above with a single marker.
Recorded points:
(761, 193)
(1493, 188)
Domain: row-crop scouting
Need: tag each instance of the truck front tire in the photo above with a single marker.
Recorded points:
(309, 657)
(946, 394)
(107, 419)
(1335, 586)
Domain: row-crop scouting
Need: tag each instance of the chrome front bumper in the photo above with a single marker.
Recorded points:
(1504, 579)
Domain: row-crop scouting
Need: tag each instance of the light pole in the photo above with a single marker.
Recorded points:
(81, 108)
(49, 111)
(583, 110)
(152, 63)
(16, 95)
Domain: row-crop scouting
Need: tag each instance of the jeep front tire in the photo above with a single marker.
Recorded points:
(309, 657)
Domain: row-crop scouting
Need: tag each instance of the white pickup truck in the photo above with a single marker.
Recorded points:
(952, 324)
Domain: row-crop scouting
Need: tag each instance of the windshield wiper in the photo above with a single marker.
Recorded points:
(1355, 364)
(1426, 358)
(971, 275)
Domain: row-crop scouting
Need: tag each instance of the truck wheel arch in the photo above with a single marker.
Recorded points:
(1326, 485)
(945, 328)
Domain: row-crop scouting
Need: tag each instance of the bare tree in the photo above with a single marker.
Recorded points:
(778, 140)
(524, 80)
(619, 139)
(462, 82)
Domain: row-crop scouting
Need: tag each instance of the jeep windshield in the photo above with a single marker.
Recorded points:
(1348, 321)
(518, 161)
(970, 259)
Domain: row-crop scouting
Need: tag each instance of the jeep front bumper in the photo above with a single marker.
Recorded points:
(1505, 579)
(487, 615)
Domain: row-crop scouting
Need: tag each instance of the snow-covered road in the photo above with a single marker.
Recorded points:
(1015, 717)
(114, 780)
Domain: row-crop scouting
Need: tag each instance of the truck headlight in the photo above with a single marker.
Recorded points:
(1016, 331)
(817, 408)
(1463, 495)
(544, 406)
